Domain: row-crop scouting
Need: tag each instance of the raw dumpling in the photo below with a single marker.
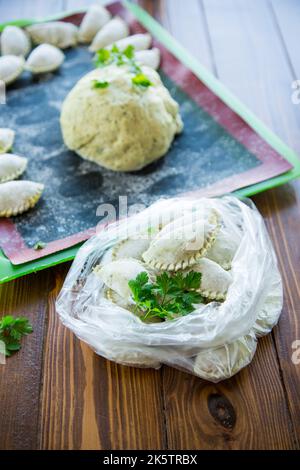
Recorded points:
(223, 362)
(270, 310)
(115, 298)
(117, 274)
(17, 197)
(44, 58)
(7, 137)
(215, 281)
(57, 33)
(135, 127)
(14, 41)
(140, 42)
(134, 358)
(224, 248)
(178, 246)
(11, 167)
(130, 248)
(150, 58)
(113, 31)
(11, 68)
(94, 20)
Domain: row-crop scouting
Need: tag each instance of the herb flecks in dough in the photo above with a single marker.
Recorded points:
(105, 57)
(97, 84)
(169, 297)
(141, 80)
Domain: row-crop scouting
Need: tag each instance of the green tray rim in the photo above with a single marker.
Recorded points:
(9, 272)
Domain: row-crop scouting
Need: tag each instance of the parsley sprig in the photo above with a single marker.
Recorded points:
(39, 245)
(11, 332)
(170, 296)
(105, 57)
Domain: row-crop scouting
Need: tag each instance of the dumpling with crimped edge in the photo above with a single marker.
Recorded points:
(140, 42)
(15, 41)
(11, 67)
(150, 57)
(224, 248)
(131, 248)
(11, 167)
(223, 362)
(215, 281)
(178, 245)
(113, 31)
(134, 245)
(7, 137)
(117, 274)
(17, 197)
(117, 299)
(95, 18)
(57, 33)
(44, 58)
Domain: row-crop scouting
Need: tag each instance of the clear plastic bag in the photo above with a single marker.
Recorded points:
(217, 339)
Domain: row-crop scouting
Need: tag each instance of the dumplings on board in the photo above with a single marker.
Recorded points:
(122, 126)
(11, 67)
(44, 58)
(15, 41)
(7, 137)
(151, 58)
(140, 42)
(94, 19)
(57, 33)
(11, 167)
(17, 197)
(112, 32)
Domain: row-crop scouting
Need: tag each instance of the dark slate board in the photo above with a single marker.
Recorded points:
(204, 154)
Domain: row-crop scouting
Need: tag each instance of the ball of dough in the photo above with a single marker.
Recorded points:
(121, 126)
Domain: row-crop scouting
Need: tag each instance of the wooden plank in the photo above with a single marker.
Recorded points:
(178, 20)
(21, 376)
(287, 16)
(281, 211)
(77, 4)
(252, 62)
(246, 412)
(281, 206)
(90, 403)
(254, 401)
(19, 9)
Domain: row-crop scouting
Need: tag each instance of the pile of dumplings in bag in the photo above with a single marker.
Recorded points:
(38, 49)
(222, 241)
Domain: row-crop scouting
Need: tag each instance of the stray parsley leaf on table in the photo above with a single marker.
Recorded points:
(11, 332)
(170, 296)
(39, 245)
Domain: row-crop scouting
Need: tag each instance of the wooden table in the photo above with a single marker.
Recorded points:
(57, 394)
